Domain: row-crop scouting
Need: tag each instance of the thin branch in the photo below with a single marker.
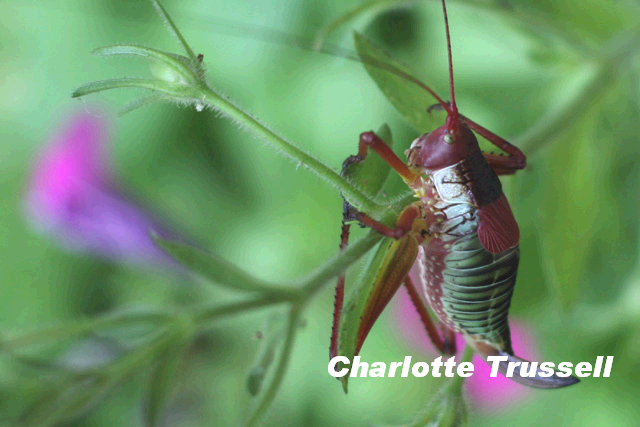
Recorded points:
(235, 113)
(270, 394)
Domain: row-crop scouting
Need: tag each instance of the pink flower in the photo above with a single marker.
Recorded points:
(485, 393)
(72, 196)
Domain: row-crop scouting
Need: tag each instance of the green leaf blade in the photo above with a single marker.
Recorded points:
(216, 269)
(410, 100)
(383, 275)
(168, 66)
(170, 89)
(165, 381)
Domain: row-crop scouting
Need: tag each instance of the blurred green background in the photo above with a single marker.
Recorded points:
(577, 202)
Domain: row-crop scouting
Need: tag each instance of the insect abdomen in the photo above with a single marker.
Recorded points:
(470, 289)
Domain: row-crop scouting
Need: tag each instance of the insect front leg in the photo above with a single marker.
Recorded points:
(351, 214)
(373, 141)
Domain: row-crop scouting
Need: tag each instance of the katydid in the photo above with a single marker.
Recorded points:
(461, 232)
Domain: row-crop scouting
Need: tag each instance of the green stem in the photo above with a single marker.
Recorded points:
(357, 197)
(128, 364)
(440, 411)
(338, 265)
(60, 332)
(220, 271)
(174, 29)
(270, 394)
(207, 314)
(456, 383)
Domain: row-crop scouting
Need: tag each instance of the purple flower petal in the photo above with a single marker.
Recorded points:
(71, 196)
(73, 159)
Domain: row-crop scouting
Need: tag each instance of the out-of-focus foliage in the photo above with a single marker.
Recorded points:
(559, 77)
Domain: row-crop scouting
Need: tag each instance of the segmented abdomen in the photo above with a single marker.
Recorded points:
(468, 287)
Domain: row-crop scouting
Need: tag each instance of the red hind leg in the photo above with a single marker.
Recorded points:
(501, 165)
(506, 164)
(446, 344)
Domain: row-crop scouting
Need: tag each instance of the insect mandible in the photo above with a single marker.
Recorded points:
(461, 231)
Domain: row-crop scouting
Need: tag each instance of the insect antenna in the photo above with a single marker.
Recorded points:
(277, 37)
(453, 110)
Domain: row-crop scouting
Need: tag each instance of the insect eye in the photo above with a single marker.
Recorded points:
(448, 138)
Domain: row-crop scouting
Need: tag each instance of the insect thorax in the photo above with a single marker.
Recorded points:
(468, 288)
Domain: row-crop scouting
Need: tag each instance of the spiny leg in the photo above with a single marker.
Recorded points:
(501, 165)
(515, 159)
(339, 294)
(403, 225)
(373, 141)
(446, 344)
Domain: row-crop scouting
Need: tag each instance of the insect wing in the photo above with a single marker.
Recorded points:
(497, 228)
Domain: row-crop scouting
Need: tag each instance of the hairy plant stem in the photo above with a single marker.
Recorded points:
(440, 411)
(456, 383)
(67, 330)
(216, 101)
(208, 313)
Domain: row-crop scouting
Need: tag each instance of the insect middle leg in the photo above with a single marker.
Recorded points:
(403, 226)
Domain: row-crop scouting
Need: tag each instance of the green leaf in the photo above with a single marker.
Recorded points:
(448, 407)
(165, 380)
(410, 100)
(354, 307)
(382, 276)
(371, 6)
(216, 269)
(166, 66)
(584, 194)
(68, 403)
(371, 174)
(141, 102)
(168, 88)
(573, 192)
(272, 335)
(59, 333)
(268, 395)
